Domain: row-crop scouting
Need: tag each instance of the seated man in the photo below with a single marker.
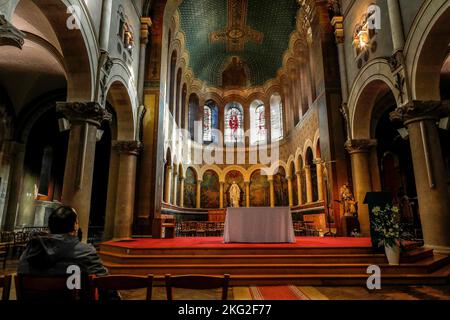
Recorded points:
(51, 254)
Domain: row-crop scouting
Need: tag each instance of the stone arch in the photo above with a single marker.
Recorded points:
(308, 144)
(214, 168)
(372, 82)
(78, 46)
(427, 48)
(119, 97)
(234, 168)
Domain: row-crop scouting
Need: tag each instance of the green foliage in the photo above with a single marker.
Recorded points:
(387, 223)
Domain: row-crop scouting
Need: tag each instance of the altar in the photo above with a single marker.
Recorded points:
(259, 225)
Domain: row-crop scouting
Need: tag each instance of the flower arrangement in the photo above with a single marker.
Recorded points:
(387, 223)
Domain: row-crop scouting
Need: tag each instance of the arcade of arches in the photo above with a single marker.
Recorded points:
(141, 109)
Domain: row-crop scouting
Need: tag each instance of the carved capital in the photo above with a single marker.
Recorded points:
(146, 24)
(128, 147)
(90, 112)
(10, 35)
(396, 60)
(338, 24)
(421, 110)
(360, 146)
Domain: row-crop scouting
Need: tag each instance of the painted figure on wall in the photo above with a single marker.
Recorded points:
(259, 190)
(234, 74)
(210, 196)
(190, 189)
(281, 188)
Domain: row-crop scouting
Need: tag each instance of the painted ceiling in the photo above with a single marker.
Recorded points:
(255, 31)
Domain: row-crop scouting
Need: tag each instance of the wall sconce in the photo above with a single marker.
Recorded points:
(64, 124)
(403, 133)
(99, 134)
(444, 123)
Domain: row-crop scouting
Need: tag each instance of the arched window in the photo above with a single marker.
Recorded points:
(207, 124)
(258, 132)
(193, 116)
(234, 123)
(173, 62)
(276, 117)
(210, 122)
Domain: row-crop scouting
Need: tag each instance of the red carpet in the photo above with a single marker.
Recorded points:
(277, 293)
(211, 242)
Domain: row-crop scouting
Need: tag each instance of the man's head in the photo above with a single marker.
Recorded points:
(63, 220)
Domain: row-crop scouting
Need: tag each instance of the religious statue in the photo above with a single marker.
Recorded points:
(235, 195)
(348, 201)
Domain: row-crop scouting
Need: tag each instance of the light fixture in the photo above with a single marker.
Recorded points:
(64, 124)
(403, 133)
(444, 123)
(99, 134)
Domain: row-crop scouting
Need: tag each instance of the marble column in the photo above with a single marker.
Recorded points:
(290, 191)
(267, 118)
(359, 151)
(298, 174)
(221, 183)
(247, 194)
(17, 154)
(168, 184)
(420, 118)
(85, 118)
(175, 186)
(272, 192)
(395, 17)
(181, 191)
(126, 185)
(309, 188)
(199, 194)
(319, 169)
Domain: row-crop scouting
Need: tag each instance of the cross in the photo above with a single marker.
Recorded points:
(237, 33)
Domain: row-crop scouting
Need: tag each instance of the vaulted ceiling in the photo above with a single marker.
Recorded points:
(256, 31)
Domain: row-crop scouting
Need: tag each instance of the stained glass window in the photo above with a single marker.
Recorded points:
(207, 124)
(234, 123)
(276, 117)
(258, 133)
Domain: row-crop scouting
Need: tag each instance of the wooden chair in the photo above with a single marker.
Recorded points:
(211, 228)
(199, 282)
(121, 282)
(185, 229)
(220, 226)
(20, 241)
(44, 288)
(5, 283)
(200, 231)
(4, 251)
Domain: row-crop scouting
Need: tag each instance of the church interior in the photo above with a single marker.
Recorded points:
(175, 127)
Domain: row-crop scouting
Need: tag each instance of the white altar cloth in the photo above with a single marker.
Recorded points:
(259, 225)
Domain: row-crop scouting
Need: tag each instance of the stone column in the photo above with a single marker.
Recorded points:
(290, 191)
(299, 187)
(175, 186)
(14, 184)
(106, 25)
(267, 118)
(146, 23)
(168, 184)
(247, 194)
(359, 151)
(221, 183)
(85, 118)
(126, 186)
(181, 191)
(309, 188)
(199, 194)
(272, 192)
(319, 169)
(395, 17)
(420, 118)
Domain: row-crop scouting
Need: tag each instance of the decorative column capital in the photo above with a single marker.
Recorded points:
(90, 112)
(360, 146)
(128, 147)
(146, 24)
(10, 35)
(415, 111)
(338, 24)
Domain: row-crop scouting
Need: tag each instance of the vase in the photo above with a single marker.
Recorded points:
(392, 254)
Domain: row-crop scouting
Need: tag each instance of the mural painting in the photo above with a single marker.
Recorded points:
(294, 185)
(190, 189)
(259, 190)
(280, 185)
(210, 197)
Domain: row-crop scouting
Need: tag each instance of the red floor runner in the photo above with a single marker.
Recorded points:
(211, 242)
